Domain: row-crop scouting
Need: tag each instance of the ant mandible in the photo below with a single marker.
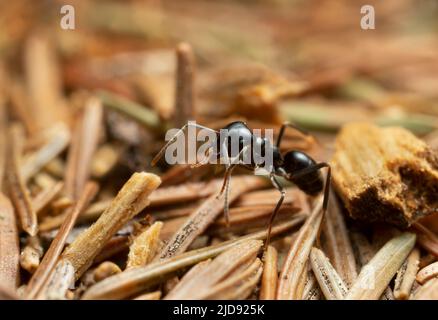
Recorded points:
(294, 166)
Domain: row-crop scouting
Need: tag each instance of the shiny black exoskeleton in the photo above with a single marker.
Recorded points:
(295, 166)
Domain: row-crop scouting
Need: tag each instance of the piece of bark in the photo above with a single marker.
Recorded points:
(131, 199)
(385, 174)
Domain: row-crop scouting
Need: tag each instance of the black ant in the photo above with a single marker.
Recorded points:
(294, 166)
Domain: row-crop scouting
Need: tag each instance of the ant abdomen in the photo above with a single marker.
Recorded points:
(311, 183)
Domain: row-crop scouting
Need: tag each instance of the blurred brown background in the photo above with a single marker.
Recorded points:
(387, 74)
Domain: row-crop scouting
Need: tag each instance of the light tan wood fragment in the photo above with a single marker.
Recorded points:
(131, 199)
(385, 174)
(144, 246)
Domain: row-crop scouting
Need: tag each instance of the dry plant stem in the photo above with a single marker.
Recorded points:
(267, 197)
(406, 275)
(382, 268)
(9, 237)
(427, 273)
(162, 196)
(59, 282)
(36, 161)
(18, 191)
(249, 218)
(200, 219)
(429, 291)
(185, 192)
(331, 284)
(131, 199)
(51, 256)
(144, 246)
(426, 239)
(82, 148)
(140, 279)
(199, 284)
(44, 81)
(337, 242)
(377, 172)
(137, 112)
(46, 196)
(268, 287)
(184, 94)
(188, 277)
(9, 245)
(3, 142)
(311, 289)
(295, 265)
(239, 286)
(366, 251)
(156, 295)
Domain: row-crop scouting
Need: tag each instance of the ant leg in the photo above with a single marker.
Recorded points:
(293, 126)
(159, 155)
(227, 178)
(230, 166)
(207, 157)
(226, 206)
(280, 188)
